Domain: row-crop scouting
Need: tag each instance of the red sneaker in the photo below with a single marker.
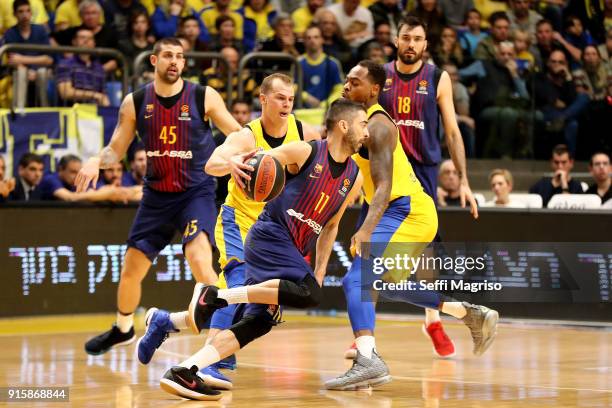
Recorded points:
(443, 345)
(351, 352)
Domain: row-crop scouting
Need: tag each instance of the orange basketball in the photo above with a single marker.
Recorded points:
(267, 179)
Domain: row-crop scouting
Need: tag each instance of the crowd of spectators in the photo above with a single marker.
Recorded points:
(527, 75)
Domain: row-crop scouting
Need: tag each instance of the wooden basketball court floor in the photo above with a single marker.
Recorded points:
(528, 365)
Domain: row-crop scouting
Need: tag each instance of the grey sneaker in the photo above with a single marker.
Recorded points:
(364, 372)
(482, 323)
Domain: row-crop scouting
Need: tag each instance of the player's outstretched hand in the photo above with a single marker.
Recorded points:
(238, 166)
(88, 175)
(466, 195)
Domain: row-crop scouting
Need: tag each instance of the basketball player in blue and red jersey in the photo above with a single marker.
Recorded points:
(400, 219)
(275, 127)
(322, 180)
(416, 95)
(170, 115)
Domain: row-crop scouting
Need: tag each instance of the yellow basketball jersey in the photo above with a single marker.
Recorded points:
(235, 197)
(404, 181)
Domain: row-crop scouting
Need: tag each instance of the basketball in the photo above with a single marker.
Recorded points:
(267, 178)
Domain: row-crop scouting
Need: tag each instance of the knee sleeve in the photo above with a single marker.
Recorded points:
(250, 328)
(301, 295)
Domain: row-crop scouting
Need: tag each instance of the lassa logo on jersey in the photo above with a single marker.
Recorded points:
(411, 123)
(312, 224)
(181, 154)
(184, 113)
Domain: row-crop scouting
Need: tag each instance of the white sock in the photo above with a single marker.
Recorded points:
(455, 309)
(125, 322)
(431, 316)
(366, 345)
(235, 295)
(203, 358)
(179, 320)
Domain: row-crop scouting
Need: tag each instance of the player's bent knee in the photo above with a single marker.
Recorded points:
(250, 328)
(306, 294)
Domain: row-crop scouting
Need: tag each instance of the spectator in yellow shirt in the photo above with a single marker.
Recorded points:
(209, 17)
(303, 16)
(67, 15)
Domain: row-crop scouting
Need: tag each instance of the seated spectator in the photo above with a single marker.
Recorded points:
(500, 32)
(501, 183)
(138, 41)
(547, 41)
(449, 185)
(600, 169)
(489, 7)
(471, 37)
(355, 22)
(30, 169)
(221, 7)
(333, 43)
(241, 111)
(189, 35)
(29, 67)
(263, 14)
(561, 182)
(375, 52)
(429, 12)
(575, 33)
(461, 100)
(522, 44)
(60, 185)
(284, 39)
(322, 73)
(226, 35)
(8, 19)
(605, 49)
(455, 11)
(556, 99)
(117, 14)
(448, 49)
(595, 78)
(67, 15)
(216, 77)
(104, 36)
(387, 12)
(502, 103)
(595, 15)
(166, 18)
(382, 38)
(138, 168)
(303, 16)
(522, 18)
(6, 186)
(111, 176)
(81, 77)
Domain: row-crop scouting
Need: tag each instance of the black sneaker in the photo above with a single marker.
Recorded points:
(107, 340)
(185, 383)
(203, 304)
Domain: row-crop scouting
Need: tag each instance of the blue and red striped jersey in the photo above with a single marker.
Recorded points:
(311, 198)
(411, 100)
(177, 140)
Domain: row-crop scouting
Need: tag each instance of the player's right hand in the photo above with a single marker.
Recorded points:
(88, 174)
(238, 167)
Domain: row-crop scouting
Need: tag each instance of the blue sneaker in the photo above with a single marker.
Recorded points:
(213, 378)
(158, 328)
(228, 363)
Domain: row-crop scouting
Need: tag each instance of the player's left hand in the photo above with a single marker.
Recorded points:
(360, 243)
(466, 195)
